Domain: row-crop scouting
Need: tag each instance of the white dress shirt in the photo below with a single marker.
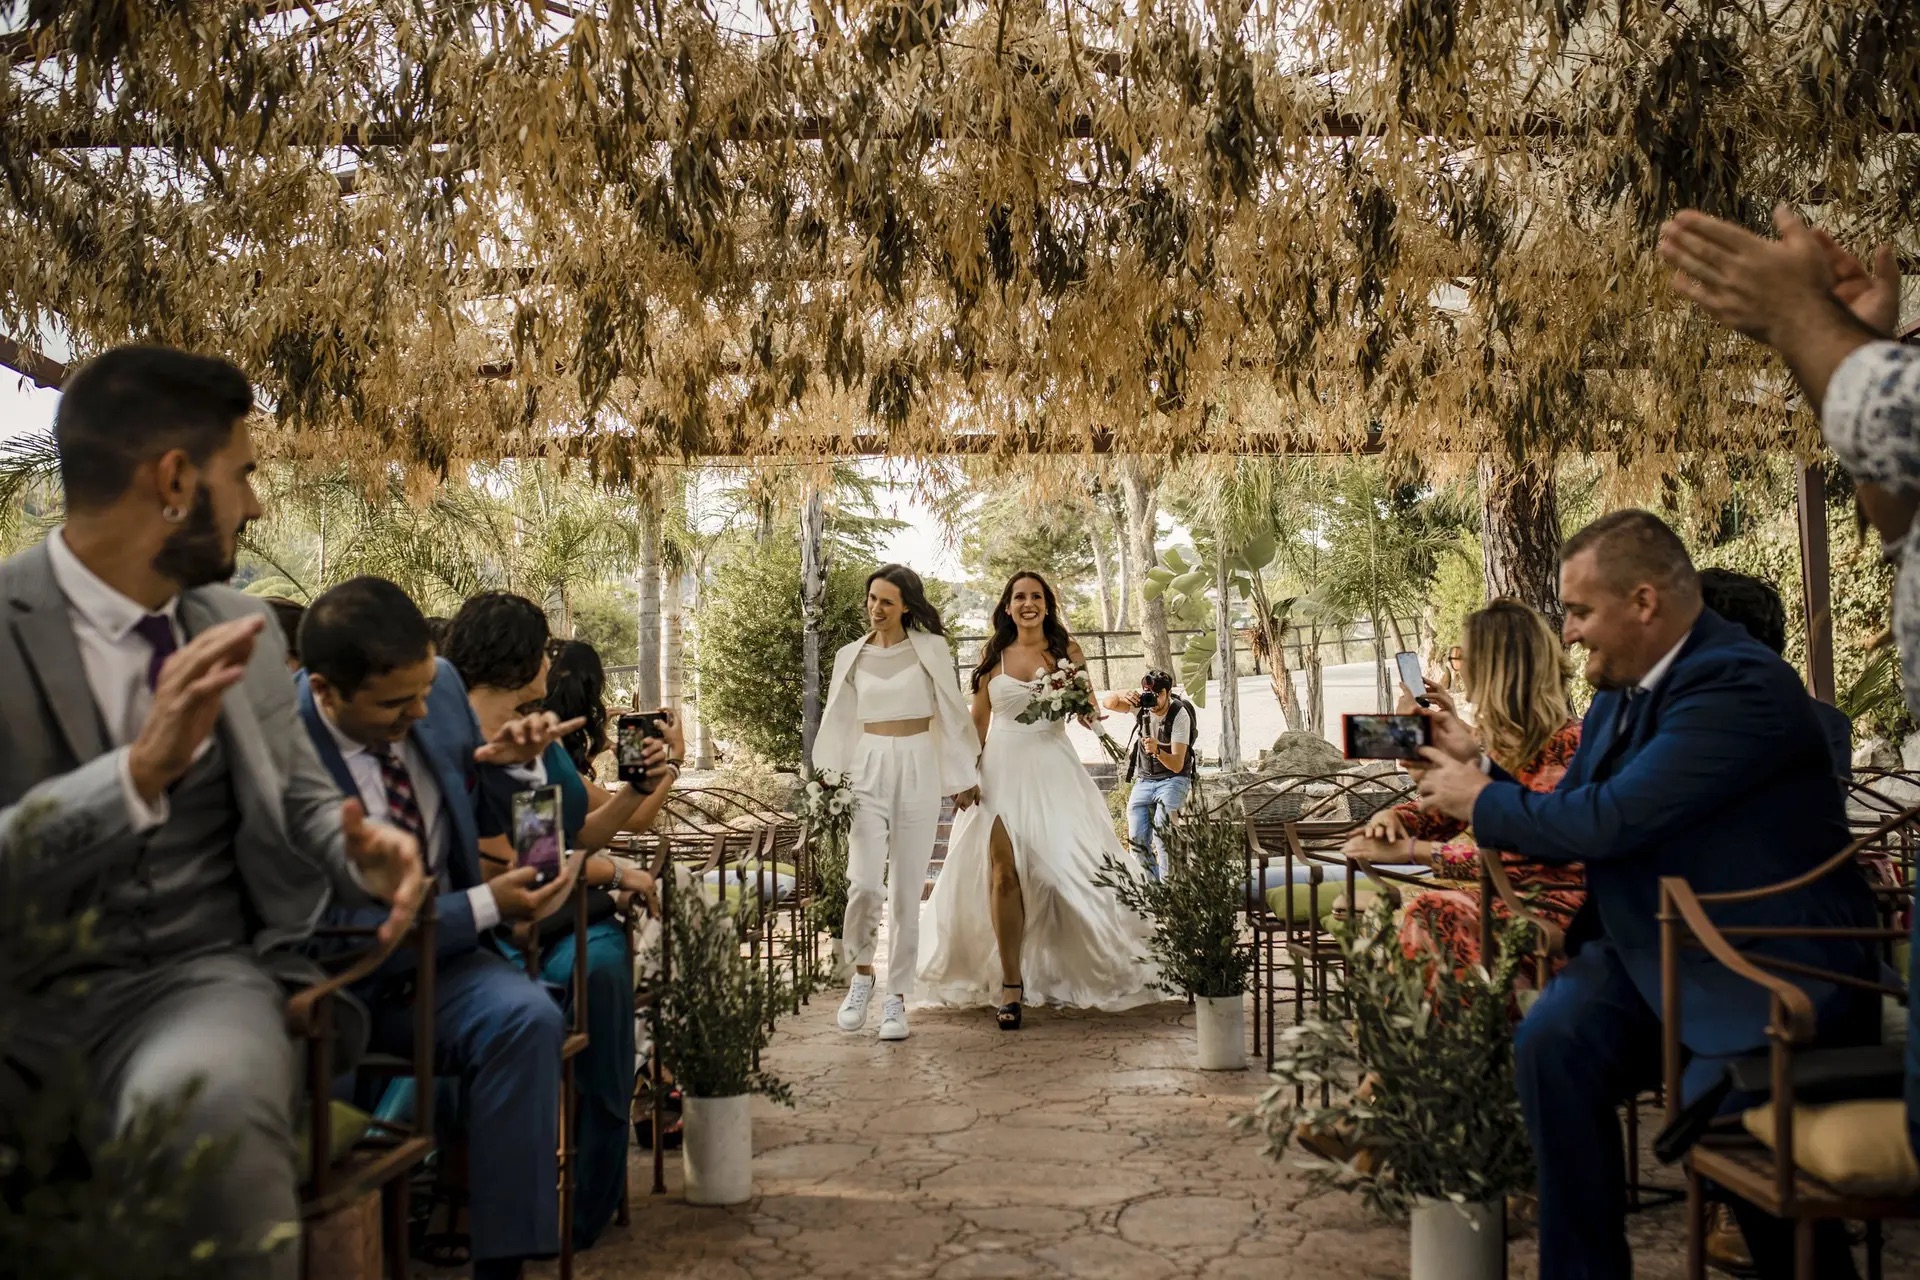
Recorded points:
(436, 841)
(1651, 681)
(116, 659)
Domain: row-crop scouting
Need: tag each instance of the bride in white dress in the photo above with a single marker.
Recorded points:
(1015, 917)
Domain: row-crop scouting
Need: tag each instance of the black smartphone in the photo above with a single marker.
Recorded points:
(1413, 676)
(631, 740)
(536, 831)
(1386, 737)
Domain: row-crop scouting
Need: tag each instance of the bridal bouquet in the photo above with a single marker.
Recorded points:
(827, 802)
(1065, 693)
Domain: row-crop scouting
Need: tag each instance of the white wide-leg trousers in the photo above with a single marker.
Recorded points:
(897, 782)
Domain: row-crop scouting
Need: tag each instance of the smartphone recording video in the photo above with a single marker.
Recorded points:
(1412, 675)
(536, 831)
(635, 728)
(1386, 737)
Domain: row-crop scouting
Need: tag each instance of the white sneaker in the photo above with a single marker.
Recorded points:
(853, 1010)
(893, 1018)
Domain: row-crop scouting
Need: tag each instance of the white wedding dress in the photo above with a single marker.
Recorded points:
(1082, 947)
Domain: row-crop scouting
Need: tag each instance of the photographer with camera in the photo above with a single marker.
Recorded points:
(1161, 761)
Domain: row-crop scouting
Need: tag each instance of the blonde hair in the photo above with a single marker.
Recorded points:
(1516, 676)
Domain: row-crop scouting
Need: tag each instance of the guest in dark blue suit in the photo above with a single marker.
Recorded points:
(1702, 759)
(1757, 607)
(391, 724)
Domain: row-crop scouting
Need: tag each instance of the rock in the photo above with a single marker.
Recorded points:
(1298, 753)
(1876, 753)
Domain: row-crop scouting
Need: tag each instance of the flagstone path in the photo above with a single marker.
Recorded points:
(1083, 1145)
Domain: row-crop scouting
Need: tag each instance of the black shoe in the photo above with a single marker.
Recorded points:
(1008, 1015)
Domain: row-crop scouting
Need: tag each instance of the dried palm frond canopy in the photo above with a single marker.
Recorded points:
(436, 231)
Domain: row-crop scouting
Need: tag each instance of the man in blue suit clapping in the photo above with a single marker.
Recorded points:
(1701, 759)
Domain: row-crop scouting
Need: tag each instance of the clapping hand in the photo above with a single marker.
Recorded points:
(186, 703)
(1763, 288)
(388, 860)
(522, 740)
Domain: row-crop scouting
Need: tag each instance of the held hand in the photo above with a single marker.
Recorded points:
(1452, 736)
(966, 799)
(1438, 698)
(521, 741)
(654, 754)
(519, 899)
(674, 733)
(1451, 786)
(1386, 825)
(388, 860)
(1364, 848)
(186, 703)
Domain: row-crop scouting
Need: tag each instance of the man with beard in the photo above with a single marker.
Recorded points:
(1701, 759)
(152, 709)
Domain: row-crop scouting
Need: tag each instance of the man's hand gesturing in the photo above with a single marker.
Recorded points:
(186, 703)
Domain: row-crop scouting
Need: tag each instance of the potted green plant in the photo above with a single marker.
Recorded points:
(1196, 916)
(1439, 1114)
(827, 803)
(716, 1014)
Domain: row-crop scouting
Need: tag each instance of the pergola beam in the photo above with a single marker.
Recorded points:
(41, 370)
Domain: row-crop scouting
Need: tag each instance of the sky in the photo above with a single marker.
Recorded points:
(921, 543)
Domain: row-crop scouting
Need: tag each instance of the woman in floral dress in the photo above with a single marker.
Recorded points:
(1516, 676)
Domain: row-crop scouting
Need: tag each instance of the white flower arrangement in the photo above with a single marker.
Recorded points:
(827, 802)
(1066, 693)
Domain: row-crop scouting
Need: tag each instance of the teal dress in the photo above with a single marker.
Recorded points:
(603, 1074)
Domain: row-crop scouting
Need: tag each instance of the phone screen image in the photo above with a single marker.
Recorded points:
(1411, 674)
(1384, 737)
(536, 831)
(634, 730)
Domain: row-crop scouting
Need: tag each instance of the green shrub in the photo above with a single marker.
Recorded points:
(750, 654)
(1196, 910)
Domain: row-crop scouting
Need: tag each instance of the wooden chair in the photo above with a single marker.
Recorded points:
(385, 1157)
(1296, 824)
(1773, 1177)
(574, 1044)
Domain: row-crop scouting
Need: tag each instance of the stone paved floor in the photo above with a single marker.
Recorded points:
(1083, 1145)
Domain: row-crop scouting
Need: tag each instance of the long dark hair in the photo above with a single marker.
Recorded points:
(919, 613)
(1005, 631)
(577, 686)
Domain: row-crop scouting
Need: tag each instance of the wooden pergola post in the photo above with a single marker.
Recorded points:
(1816, 578)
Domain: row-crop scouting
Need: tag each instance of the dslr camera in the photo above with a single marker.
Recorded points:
(1154, 687)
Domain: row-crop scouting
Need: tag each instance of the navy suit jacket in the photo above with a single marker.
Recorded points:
(1725, 779)
(447, 738)
(1839, 730)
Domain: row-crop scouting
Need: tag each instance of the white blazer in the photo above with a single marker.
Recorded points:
(956, 742)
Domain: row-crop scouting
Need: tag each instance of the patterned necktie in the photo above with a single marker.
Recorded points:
(403, 810)
(157, 630)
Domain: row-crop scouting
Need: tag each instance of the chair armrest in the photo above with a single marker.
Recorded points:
(1793, 1006)
(303, 1005)
(1554, 938)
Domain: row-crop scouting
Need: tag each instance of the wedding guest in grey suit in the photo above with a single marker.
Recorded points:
(151, 709)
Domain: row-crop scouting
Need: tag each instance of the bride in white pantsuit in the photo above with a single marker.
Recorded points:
(895, 723)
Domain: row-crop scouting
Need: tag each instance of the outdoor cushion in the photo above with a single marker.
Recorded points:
(746, 877)
(347, 1125)
(1331, 892)
(1858, 1147)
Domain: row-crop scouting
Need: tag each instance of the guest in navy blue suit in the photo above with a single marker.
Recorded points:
(1702, 759)
(391, 724)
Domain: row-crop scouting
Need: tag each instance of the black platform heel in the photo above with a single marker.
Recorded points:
(1008, 1015)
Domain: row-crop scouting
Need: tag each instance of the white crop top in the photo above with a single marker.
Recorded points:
(889, 684)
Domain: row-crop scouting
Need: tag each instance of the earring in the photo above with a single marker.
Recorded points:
(172, 514)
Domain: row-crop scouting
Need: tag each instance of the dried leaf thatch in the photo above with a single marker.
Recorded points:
(437, 231)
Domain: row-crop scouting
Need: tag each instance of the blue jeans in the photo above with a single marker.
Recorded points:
(1153, 801)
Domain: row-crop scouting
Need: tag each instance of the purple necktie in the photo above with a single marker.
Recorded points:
(157, 630)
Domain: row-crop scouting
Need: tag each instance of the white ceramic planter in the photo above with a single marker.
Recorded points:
(717, 1153)
(1457, 1241)
(1222, 1025)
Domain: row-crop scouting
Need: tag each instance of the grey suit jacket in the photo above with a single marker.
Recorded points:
(57, 772)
